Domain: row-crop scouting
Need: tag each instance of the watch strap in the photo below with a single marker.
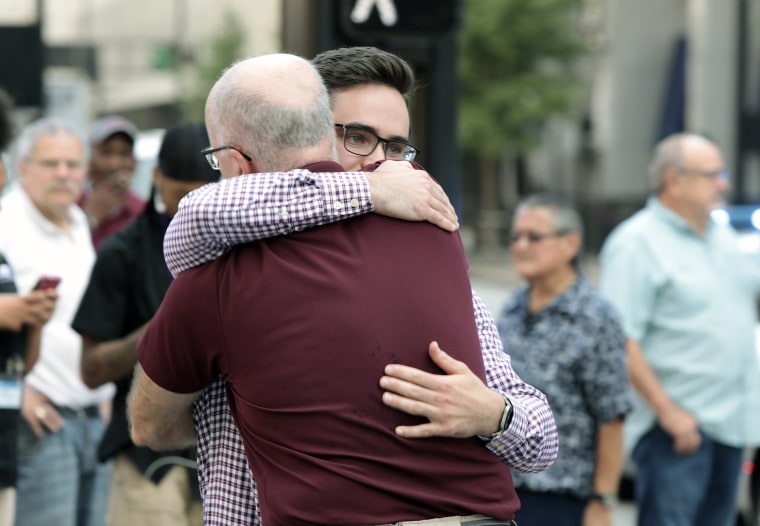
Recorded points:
(506, 416)
(608, 500)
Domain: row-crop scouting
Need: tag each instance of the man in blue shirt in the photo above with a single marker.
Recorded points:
(687, 296)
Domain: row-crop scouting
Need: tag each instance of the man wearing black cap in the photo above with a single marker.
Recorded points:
(107, 200)
(127, 284)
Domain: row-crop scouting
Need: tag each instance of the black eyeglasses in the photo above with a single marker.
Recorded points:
(713, 175)
(534, 237)
(361, 141)
(210, 155)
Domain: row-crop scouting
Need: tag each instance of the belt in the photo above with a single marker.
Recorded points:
(458, 520)
(82, 413)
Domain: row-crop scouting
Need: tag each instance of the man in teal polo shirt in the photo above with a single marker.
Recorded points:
(687, 296)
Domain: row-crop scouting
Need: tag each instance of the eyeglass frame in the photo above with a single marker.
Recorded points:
(712, 175)
(386, 143)
(212, 160)
(535, 237)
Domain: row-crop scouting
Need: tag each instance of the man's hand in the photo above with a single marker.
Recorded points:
(458, 404)
(39, 413)
(682, 427)
(596, 514)
(398, 190)
(34, 309)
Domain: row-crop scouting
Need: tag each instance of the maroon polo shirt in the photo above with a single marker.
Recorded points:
(302, 327)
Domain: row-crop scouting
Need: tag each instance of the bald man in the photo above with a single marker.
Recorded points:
(687, 296)
(325, 313)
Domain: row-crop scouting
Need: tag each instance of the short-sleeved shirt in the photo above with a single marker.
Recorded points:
(574, 351)
(34, 246)
(126, 287)
(690, 303)
(302, 328)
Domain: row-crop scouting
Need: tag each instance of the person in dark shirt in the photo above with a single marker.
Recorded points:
(127, 285)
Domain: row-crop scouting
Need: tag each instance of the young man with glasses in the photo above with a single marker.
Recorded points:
(44, 232)
(372, 107)
(688, 299)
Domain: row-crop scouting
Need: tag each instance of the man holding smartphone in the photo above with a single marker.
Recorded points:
(44, 233)
(21, 321)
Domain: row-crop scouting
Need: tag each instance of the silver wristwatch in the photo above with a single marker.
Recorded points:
(608, 500)
(506, 416)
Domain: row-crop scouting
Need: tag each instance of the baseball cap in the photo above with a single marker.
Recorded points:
(105, 127)
(180, 154)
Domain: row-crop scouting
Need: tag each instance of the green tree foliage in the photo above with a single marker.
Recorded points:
(516, 71)
(224, 49)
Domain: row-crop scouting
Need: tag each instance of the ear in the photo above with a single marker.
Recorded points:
(156, 176)
(672, 179)
(573, 245)
(21, 169)
(244, 165)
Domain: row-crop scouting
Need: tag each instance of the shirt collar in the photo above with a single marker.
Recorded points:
(665, 214)
(569, 301)
(324, 166)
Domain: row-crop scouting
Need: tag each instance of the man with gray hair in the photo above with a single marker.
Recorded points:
(688, 300)
(325, 310)
(369, 91)
(43, 233)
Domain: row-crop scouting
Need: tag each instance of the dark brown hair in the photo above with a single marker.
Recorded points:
(353, 66)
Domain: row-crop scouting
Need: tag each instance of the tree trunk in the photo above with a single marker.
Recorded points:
(490, 214)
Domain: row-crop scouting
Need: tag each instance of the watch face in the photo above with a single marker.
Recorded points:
(608, 500)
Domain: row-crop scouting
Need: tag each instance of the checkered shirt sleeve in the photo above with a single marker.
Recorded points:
(531, 442)
(217, 216)
(227, 487)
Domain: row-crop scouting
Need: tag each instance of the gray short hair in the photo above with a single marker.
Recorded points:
(31, 133)
(669, 153)
(565, 218)
(274, 133)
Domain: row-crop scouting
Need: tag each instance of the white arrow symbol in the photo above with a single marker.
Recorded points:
(385, 8)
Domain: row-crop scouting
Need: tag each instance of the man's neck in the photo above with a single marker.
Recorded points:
(696, 220)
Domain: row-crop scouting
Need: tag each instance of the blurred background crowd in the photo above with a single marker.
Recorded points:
(515, 98)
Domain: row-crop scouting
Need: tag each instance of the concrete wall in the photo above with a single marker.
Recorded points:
(126, 35)
(711, 108)
(629, 91)
(631, 83)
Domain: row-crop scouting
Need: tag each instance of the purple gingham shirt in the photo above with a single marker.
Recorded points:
(243, 209)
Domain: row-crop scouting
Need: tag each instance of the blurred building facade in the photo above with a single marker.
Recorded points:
(110, 56)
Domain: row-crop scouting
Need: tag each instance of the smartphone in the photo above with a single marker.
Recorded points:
(47, 282)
